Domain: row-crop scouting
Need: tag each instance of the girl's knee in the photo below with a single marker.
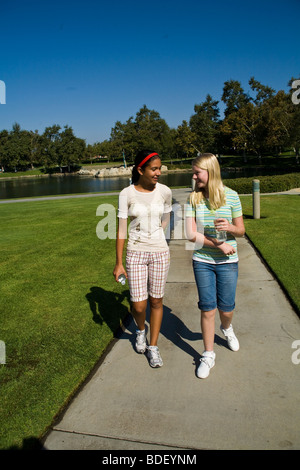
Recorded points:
(208, 314)
(155, 303)
(139, 308)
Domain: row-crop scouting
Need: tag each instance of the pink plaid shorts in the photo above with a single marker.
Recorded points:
(147, 274)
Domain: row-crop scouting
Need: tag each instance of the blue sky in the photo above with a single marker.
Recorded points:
(88, 64)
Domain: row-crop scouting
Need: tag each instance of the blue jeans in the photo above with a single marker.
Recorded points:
(216, 284)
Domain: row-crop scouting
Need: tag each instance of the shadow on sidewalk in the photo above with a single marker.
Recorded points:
(107, 307)
(176, 331)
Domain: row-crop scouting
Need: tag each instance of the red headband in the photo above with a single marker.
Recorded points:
(145, 159)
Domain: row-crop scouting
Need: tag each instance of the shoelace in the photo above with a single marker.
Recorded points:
(207, 360)
(231, 336)
(140, 337)
(155, 355)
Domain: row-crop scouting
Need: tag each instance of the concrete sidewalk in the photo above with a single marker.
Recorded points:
(249, 401)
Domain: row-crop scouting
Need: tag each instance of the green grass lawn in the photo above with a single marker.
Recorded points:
(59, 308)
(276, 235)
(60, 305)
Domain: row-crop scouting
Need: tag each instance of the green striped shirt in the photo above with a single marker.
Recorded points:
(205, 216)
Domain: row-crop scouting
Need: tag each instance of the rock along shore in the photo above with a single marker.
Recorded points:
(110, 172)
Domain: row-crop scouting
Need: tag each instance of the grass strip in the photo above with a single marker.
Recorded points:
(276, 237)
(59, 308)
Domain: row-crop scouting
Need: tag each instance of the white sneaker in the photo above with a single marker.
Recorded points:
(155, 359)
(140, 342)
(232, 341)
(207, 361)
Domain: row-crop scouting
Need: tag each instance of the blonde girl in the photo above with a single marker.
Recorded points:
(213, 208)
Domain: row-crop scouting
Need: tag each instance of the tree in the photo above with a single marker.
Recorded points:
(184, 140)
(123, 139)
(4, 160)
(295, 129)
(61, 148)
(275, 122)
(146, 130)
(151, 130)
(273, 130)
(50, 146)
(92, 151)
(263, 93)
(71, 148)
(18, 149)
(242, 126)
(104, 148)
(204, 125)
(234, 97)
(35, 148)
(294, 121)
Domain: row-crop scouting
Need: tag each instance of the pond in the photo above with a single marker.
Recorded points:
(75, 184)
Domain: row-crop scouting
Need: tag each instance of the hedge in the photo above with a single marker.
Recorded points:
(268, 184)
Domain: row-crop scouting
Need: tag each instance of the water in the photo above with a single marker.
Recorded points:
(221, 235)
(75, 184)
(55, 185)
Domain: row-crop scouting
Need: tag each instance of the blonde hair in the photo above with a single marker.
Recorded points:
(209, 162)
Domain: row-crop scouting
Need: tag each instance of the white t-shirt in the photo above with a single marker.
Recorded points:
(145, 211)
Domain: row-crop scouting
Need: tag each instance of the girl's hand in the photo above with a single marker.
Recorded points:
(222, 225)
(226, 248)
(118, 270)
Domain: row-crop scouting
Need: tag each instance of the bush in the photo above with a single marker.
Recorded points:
(268, 184)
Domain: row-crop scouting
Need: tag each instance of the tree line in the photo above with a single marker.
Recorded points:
(22, 149)
(259, 122)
